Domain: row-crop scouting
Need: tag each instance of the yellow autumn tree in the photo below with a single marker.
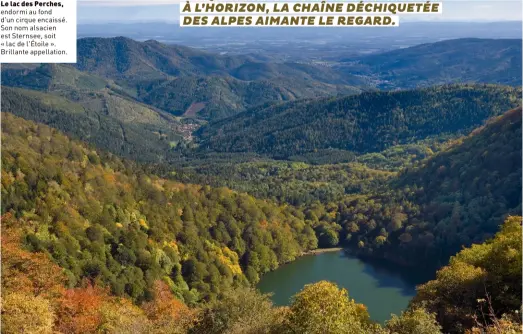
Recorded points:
(478, 279)
(119, 315)
(414, 321)
(240, 311)
(25, 313)
(323, 308)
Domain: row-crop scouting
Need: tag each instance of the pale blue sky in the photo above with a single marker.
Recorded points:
(93, 11)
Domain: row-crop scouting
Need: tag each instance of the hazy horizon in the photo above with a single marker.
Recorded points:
(96, 11)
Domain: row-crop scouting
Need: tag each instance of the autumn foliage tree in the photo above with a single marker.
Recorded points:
(323, 308)
(120, 315)
(79, 309)
(239, 311)
(25, 313)
(166, 313)
(414, 321)
(484, 279)
(24, 271)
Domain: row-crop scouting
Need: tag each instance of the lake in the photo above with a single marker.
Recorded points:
(383, 288)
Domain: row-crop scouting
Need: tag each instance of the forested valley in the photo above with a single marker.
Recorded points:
(86, 233)
(148, 189)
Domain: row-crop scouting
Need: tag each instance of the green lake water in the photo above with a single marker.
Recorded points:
(383, 288)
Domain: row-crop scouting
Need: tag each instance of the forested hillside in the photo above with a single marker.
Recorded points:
(458, 197)
(216, 97)
(296, 183)
(106, 120)
(367, 122)
(147, 188)
(131, 61)
(103, 219)
(206, 91)
(481, 287)
(35, 300)
(325, 176)
(181, 80)
(463, 60)
(455, 195)
(197, 84)
(52, 77)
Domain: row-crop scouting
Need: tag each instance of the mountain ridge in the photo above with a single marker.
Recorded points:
(367, 122)
(459, 60)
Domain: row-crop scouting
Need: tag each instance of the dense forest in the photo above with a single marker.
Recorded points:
(363, 123)
(147, 188)
(217, 97)
(120, 126)
(474, 294)
(324, 176)
(184, 254)
(457, 197)
(296, 183)
(126, 229)
(132, 61)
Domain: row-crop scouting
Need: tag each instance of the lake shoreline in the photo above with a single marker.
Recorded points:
(367, 283)
(322, 250)
(387, 262)
(316, 251)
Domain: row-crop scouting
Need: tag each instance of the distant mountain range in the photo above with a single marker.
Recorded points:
(188, 82)
(175, 78)
(154, 96)
(462, 60)
(408, 33)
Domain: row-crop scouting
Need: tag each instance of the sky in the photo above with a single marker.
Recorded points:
(102, 11)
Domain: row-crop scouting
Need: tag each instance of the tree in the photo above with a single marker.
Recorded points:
(79, 310)
(488, 271)
(113, 222)
(167, 314)
(239, 311)
(328, 238)
(33, 273)
(414, 321)
(24, 313)
(323, 308)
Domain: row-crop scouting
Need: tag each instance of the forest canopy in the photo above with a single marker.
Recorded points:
(148, 187)
(103, 219)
